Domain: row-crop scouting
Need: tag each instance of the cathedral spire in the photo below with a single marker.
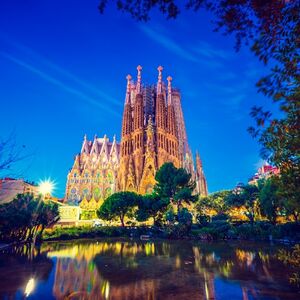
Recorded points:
(159, 82)
(169, 90)
(127, 115)
(139, 79)
(198, 161)
(200, 177)
(127, 99)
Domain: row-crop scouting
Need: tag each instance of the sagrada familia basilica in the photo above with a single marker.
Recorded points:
(153, 132)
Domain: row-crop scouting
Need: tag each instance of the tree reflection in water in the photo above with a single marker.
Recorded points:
(166, 270)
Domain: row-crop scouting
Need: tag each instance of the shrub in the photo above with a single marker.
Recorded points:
(220, 217)
(248, 231)
(288, 230)
(184, 217)
(177, 231)
(208, 233)
(202, 220)
(221, 228)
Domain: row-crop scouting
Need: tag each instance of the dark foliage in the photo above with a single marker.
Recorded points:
(26, 217)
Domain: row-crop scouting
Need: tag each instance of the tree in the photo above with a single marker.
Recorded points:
(271, 29)
(289, 191)
(281, 146)
(246, 198)
(25, 218)
(175, 185)
(48, 215)
(213, 202)
(270, 199)
(151, 206)
(10, 154)
(118, 205)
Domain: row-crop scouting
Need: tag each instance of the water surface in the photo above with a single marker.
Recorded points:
(110, 269)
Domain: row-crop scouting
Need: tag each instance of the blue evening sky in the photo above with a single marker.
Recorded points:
(62, 74)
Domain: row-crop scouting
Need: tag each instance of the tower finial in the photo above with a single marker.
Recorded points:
(169, 90)
(159, 83)
(128, 77)
(139, 79)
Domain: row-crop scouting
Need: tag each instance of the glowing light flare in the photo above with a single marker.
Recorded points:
(29, 287)
(46, 187)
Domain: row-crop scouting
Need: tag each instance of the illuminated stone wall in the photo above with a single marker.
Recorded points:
(94, 173)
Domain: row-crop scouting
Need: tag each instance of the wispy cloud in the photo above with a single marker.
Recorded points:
(168, 43)
(207, 50)
(203, 53)
(57, 82)
(65, 73)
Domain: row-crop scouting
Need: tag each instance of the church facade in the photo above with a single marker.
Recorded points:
(153, 132)
(93, 176)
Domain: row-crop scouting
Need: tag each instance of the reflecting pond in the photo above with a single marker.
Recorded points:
(114, 269)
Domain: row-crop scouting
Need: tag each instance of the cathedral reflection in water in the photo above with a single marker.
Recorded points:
(164, 270)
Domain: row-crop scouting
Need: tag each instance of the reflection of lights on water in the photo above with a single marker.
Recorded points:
(105, 289)
(29, 287)
(206, 290)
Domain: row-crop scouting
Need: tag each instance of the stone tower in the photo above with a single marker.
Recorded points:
(126, 174)
(201, 185)
(153, 133)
